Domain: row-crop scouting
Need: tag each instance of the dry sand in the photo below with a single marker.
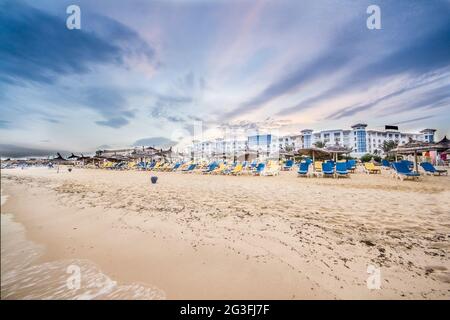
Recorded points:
(193, 236)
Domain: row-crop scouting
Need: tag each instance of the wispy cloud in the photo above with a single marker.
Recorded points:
(241, 64)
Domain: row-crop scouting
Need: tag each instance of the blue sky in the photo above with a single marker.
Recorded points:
(142, 72)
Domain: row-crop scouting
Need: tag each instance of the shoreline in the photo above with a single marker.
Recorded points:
(197, 244)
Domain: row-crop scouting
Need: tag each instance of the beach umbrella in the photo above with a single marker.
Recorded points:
(414, 148)
(59, 158)
(313, 152)
(337, 149)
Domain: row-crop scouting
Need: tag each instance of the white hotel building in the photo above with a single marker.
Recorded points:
(360, 139)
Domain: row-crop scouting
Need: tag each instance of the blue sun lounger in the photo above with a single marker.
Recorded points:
(341, 169)
(351, 165)
(327, 169)
(210, 168)
(303, 169)
(407, 163)
(386, 164)
(288, 165)
(189, 169)
(259, 168)
(176, 166)
(430, 169)
(404, 172)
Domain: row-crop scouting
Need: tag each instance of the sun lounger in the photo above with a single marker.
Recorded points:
(176, 166)
(189, 169)
(318, 166)
(230, 168)
(351, 165)
(237, 170)
(259, 168)
(407, 163)
(327, 169)
(341, 170)
(430, 169)
(219, 169)
(210, 168)
(385, 164)
(303, 169)
(272, 169)
(369, 168)
(403, 172)
(288, 165)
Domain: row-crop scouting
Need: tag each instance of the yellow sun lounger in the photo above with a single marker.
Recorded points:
(369, 167)
(219, 169)
(318, 166)
(237, 170)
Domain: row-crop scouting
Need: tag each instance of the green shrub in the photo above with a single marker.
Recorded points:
(368, 157)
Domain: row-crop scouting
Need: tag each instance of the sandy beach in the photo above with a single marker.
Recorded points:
(192, 236)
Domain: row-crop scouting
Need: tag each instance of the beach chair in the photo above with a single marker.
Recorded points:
(369, 168)
(351, 165)
(385, 164)
(150, 165)
(318, 166)
(141, 165)
(327, 169)
(288, 165)
(402, 171)
(430, 169)
(303, 169)
(218, 168)
(259, 168)
(189, 169)
(230, 168)
(272, 169)
(408, 163)
(176, 166)
(341, 170)
(237, 170)
(212, 166)
(156, 166)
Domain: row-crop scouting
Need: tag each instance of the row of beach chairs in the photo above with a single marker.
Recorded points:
(271, 168)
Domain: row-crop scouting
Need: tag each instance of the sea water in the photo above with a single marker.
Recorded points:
(23, 277)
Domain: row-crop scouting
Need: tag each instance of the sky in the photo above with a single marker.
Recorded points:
(147, 72)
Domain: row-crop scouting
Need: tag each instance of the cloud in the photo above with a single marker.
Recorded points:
(414, 120)
(155, 141)
(352, 110)
(51, 120)
(427, 54)
(113, 122)
(5, 124)
(36, 46)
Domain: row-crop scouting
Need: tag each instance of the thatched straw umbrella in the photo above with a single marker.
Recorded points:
(313, 152)
(414, 147)
(337, 149)
(59, 159)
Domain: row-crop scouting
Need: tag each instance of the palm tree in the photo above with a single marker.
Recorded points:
(319, 144)
(389, 145)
